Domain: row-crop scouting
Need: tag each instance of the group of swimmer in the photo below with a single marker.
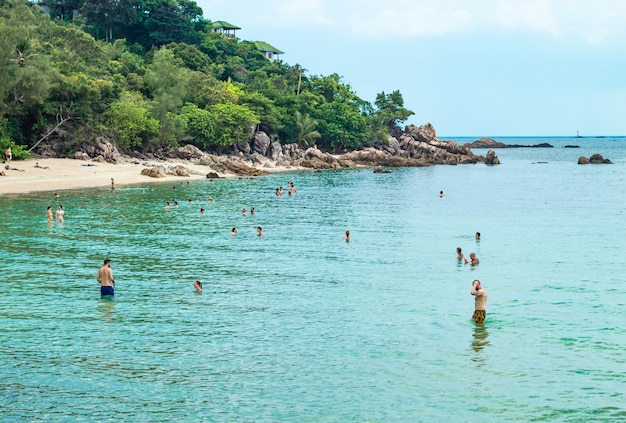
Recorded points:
(292, 189)
(60, 214)
(479, 293)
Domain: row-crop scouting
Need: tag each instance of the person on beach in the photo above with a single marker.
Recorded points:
(459, 255)
(112, 185)
(473, 259)
(105, 277)
(60, 214)
(8, 155)
(259, 231)
(49, 214)
(233, 232)
(2, 173)
(346, 237)
(197, 285)
(38, 166)
(480, 302)
(292, 190)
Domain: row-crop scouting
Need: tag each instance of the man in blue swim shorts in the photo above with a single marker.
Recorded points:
(105, 277)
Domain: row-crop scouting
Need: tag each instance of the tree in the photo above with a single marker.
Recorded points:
(234, 123)
(391, 111)
(131, 122)
(200, 125)
(305, 128)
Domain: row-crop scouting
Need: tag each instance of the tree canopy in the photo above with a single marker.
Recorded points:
(147, 73)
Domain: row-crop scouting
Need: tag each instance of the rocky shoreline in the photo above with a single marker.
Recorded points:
(415, 147)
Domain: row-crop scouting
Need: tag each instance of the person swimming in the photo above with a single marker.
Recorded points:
(197, 285)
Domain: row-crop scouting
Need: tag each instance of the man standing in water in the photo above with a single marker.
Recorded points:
(105, 277)
(480, 302)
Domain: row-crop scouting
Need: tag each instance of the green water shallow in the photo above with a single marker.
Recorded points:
(299, 325)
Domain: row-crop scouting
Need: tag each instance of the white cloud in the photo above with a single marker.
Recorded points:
(593, 22)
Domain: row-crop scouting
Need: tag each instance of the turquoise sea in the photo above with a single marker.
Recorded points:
(301, 326)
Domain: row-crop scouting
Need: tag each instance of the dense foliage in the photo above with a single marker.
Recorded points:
(149, 73)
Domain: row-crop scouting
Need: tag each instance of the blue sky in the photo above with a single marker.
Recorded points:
(469, 67)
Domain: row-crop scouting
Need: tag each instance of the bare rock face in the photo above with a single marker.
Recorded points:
(212, 175)
(425, 133)
(101, 150)
(487, 143)
(237, 167)
(491, 158)
(154, 172)
(186, 152)
(598, 159)
(178, 170)
(81, 155)
(583, 160)
(261, 143)
(274, 150)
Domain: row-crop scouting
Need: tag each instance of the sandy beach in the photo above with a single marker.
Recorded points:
(64, 174)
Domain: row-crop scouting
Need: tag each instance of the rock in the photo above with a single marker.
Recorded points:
(80, 155)
(583, 160)
(261, 143)
(244, 147)
(178, 170)
(154, 172)
(571, 146)
(206, 160)
(598, 159)
(380, 169)
(275, 150)
(425, 133)
(491, 158)
(212, 175)
(237, 167)
(486, 143)
(187, 152)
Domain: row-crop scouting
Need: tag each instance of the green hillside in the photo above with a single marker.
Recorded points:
(148, 73)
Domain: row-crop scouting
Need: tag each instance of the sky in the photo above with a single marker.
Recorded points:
(477, 68)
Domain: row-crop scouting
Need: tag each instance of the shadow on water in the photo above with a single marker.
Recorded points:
(479, 341)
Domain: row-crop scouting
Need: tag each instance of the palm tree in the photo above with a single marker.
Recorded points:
(306, 128)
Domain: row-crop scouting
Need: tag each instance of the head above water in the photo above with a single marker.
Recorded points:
(107, 261)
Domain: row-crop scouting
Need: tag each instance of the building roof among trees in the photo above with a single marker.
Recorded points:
(223, 25)
(265, 47)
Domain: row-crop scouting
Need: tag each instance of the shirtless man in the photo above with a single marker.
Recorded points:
(480, 302)
(473, 259)
(105, 277)
(49, 214)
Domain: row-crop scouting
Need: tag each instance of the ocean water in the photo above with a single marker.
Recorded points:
(301, 326)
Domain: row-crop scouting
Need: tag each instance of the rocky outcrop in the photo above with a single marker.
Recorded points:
(491, 158)
(260, 143)
(594, 159)
(187, 152)
(237, 167)
(100, 150)
(491, 143)
(154, 172)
